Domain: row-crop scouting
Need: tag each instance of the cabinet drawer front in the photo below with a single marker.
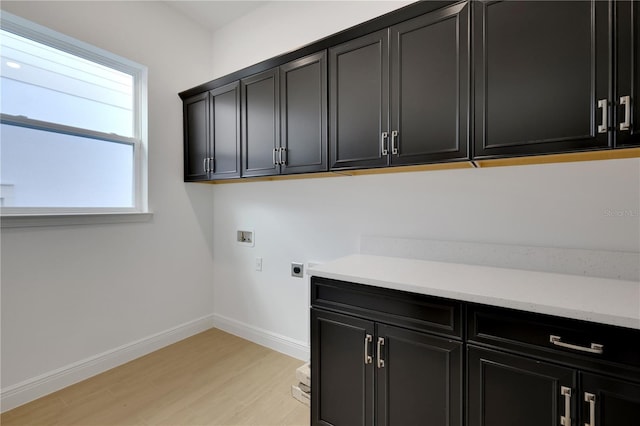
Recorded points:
(574, 340)
(410, 310)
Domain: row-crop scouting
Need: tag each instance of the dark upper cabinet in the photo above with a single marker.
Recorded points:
(541, 74)
(343, 372)
(411, 109)
(303, 115)
(430, 87)
(627, 82)
(212, 134)
(225, 132)
(196, 137)
(418, 377)
(507, 390)
(260, 123)
(359, 101)
(284, 127)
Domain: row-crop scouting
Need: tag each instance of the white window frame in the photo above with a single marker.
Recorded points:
(23, 216)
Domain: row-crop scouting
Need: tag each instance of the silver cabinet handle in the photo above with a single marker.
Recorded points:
(566, 419)
(602, 128)
(275, 152)
(626, 101)
(204, 164)
(394, 142)
(212, 164)
(595, 348)
(379, 352)
(283, 158)
(591, 399)
(367, 358)
(383, 142)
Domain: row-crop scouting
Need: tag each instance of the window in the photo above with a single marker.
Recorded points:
(73, 125)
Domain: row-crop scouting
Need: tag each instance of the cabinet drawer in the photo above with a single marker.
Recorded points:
(577, 342)
(404, 309)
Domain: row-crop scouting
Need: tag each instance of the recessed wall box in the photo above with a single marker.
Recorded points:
(245, 237)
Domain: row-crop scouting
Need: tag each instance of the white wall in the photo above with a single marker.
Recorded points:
(559, 205)
(70, 294)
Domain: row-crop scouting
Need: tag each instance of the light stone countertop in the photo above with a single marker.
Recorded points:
(601, 300)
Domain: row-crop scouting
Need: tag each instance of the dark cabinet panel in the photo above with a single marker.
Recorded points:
(627, 65)
(359, 101)
(609, 402)
(418, 377)
(507, 390)
(429, 87)
(303, 112)
(260, 123)
(196, 137)
(342, 376)
(225, 111)
(540, 70)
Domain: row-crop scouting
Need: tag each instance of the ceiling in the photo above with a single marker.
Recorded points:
(213, 14)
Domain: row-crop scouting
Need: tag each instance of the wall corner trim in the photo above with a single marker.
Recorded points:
(44, 384)
(286, 345)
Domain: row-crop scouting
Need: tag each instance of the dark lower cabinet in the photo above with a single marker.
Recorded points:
(343, 379)
(508, 390)
(606, 401)
(418, 378)
(369, 372)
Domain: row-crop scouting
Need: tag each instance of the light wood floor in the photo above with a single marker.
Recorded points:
(212, 378)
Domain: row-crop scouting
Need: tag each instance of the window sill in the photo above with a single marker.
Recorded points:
(39, 220)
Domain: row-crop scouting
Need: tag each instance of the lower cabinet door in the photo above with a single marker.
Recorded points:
(418, 377)
(341, 370)
(508, 390)
(607, 401)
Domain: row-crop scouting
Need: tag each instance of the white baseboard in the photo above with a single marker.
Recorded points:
(36, 387)
(294, 348)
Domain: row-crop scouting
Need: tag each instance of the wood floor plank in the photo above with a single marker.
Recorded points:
(212, 378)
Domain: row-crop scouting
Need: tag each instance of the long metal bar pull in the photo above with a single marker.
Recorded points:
(595, 348)
(394, 142)
(379, 352)
(591, 399)
(367, 340)
(275, 152)
(626, 101)
(204, 164)
(383, 143)
(602, 128)
(566, 419)
(212, 165)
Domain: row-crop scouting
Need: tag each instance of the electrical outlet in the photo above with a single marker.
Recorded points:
(297, 269)
(258, 264)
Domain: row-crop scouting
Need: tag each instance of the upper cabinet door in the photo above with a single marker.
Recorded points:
(430, 87)
(260, 124)
(627, 92)
(196, 137)
(359, 102)
(303, 114)
(225, 119)
(541, 73)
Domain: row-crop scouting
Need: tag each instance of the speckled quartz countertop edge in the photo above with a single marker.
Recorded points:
(601, 300)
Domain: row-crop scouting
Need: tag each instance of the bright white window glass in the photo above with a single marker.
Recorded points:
(73, 132)
(63, 170)
(43, 83)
